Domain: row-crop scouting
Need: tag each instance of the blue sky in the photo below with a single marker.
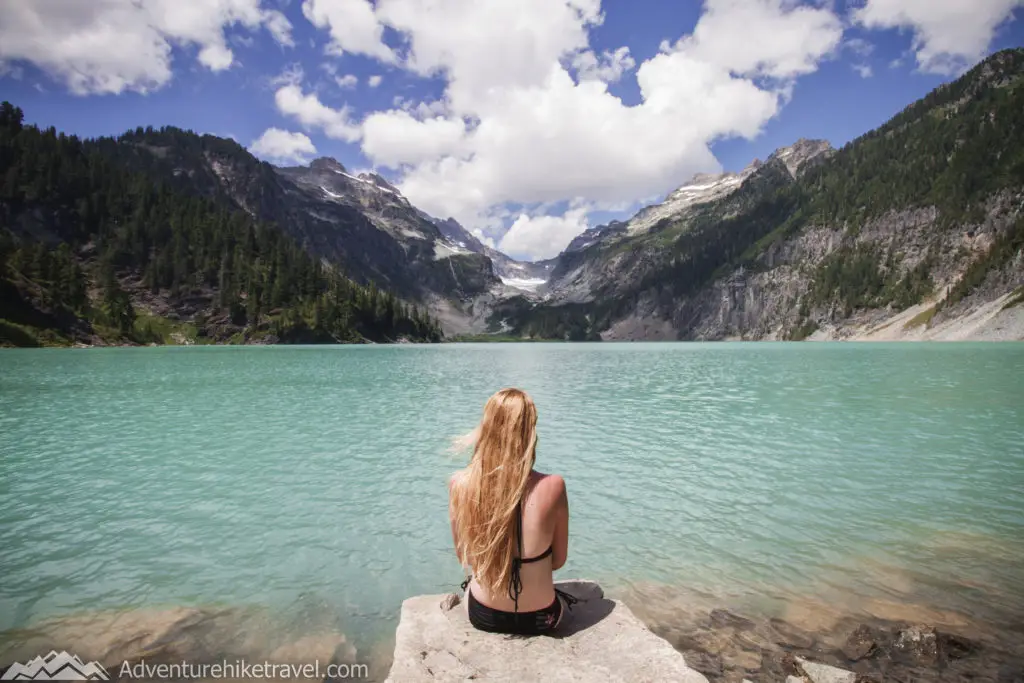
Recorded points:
(525, 123)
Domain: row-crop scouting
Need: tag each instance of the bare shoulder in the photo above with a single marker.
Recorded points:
(549, 490)
(555, 483)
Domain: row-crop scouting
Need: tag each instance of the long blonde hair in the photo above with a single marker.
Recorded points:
(485, 496)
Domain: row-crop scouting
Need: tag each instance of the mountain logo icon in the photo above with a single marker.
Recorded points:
(56, 666)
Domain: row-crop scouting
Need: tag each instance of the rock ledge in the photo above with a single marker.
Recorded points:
(599, 641)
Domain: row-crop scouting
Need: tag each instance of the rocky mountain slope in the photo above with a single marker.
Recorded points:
(361, 225)
(364, 222)
(902, 233)
(364, 225)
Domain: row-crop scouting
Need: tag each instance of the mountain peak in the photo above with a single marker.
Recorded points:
(379, 181)
(804, 150)
(327, 164)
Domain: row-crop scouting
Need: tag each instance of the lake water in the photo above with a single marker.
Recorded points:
(309, 482)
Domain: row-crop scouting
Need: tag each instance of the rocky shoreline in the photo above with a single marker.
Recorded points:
(727, 647)
(612, 641)
(721, 645)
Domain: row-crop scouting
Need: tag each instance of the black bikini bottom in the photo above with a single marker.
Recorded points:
(535, 623)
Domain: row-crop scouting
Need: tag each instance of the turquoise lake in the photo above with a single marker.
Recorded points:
(310, 481)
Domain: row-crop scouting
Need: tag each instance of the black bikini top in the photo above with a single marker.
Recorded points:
(515, 584)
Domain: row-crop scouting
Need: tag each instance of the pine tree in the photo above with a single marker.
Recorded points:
(117, 305)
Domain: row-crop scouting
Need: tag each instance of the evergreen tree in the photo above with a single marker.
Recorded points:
(118, 306)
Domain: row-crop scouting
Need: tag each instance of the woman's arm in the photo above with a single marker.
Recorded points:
(560, 540)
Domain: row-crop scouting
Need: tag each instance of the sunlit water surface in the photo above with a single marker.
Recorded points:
(310, 482)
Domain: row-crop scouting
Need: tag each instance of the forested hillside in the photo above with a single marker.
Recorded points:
(101, 242)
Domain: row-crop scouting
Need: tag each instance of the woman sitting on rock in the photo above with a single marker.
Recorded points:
(510, 523)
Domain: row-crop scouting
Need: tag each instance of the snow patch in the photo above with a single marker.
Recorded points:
(329, 193)
(368, 182)
(369, 178)
(701, 190)
(443, 250)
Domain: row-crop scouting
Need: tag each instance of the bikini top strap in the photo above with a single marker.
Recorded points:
(519, 528)
(515, 586)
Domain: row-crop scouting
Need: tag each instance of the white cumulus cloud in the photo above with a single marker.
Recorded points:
(313, 114)
(949, 35)
(109, 46)
(489, 45)
(543, 237)
(374, 80)
(353, 27)
(395, 137)
(516, 128)
(775, 38)
(283, 147)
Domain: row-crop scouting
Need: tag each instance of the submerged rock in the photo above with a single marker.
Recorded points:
(600, 640)
(723, 617)
(790, 635)
(822, 673)
(863, 643)
(918, 645)
(777, 665)
(723, 642)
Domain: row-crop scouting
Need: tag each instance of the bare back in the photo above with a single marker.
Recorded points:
(545, 524)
